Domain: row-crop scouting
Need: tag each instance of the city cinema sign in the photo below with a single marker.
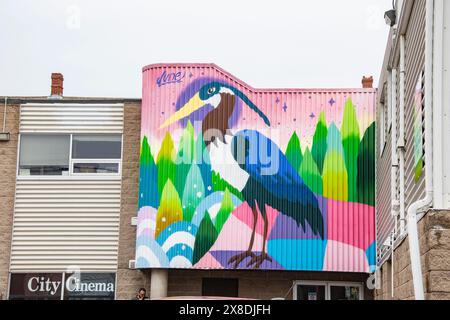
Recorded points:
(67, 286)
(72, 284)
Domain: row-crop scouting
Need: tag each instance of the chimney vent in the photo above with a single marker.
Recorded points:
(57, 84)
(367, 82)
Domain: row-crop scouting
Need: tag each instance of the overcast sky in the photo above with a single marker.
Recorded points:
(101, 46)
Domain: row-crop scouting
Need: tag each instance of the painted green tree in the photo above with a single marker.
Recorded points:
(310, 173)
(194, 192)
(165, 163)
(148, 178)
(335, 178)
(294, 152)
(366, 167)
(205, 238)
(169, 210)
(221, 185)
(203, 162)
(319, 147)
(185, 157)
(225, 210)
(350, 141)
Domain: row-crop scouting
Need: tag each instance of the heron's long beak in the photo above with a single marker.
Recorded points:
(191, 106)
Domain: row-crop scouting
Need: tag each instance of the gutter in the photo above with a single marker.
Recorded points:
(425, 203)
(4, 115)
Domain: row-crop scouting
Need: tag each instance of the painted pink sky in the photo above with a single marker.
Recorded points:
(287, 109)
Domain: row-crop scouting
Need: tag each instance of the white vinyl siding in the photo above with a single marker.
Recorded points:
(71, 118)
(59, 223)
(65, 222)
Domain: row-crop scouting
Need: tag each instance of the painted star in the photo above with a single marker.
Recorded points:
(190, 75)
(285, 107)
(332, 102)
(277, 101)
(312, 115)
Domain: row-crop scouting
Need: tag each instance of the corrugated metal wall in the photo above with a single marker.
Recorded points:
(67, 221)
(180, 229)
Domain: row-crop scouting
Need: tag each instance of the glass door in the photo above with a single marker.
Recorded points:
(345, 292)
(310, 291)
(317, 290)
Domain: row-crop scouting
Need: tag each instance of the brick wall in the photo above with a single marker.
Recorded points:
(129, 281)
(256, 284)
(434, 234)
(8, 161)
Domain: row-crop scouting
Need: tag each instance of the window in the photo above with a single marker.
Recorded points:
(96, 147)
(51, 155)
(388, 101)
(96, 154)
(44, 155)
(382, 129)
(317, 290)
(419, 126)
(383, 116)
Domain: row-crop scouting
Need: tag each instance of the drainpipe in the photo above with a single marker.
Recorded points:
(438, 114)
(401, 136)
(4, 115)
(394, 162)
(425, 203)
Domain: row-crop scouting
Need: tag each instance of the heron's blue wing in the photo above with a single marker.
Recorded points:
(263, 160)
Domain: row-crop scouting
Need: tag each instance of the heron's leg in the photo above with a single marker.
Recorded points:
(256, 261)
(237, 259)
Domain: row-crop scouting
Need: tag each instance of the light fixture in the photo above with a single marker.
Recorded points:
(391, 16)
(5, 136)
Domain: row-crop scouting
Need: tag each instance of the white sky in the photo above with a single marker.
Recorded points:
(101, 46)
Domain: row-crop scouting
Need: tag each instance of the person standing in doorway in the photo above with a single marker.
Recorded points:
(141, 294)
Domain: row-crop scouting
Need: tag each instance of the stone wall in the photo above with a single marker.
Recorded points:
(434, 234)
(129, 281)
(8, 169)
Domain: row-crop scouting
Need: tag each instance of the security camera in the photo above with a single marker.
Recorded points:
(390, 17)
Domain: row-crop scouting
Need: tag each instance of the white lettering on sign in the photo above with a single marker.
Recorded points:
(73, 283)
(40, 284)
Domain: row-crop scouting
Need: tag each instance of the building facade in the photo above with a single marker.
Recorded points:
(412, 155)
(79, 214)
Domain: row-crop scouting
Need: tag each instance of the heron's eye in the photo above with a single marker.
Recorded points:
(211, 90)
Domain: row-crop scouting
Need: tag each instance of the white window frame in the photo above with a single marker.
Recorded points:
(71, 174)
(328, 285)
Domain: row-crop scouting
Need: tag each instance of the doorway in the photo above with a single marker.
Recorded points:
(220, 287)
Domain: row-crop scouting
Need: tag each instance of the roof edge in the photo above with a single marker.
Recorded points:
(249, 87)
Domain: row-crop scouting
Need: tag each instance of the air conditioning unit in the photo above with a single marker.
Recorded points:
(132, 264)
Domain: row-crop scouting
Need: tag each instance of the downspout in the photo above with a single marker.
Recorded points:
(425, 203)
(438, 114)
(401, 136)
(4, 115)
(394, 163)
